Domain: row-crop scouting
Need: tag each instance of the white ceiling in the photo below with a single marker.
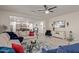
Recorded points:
(28, 9)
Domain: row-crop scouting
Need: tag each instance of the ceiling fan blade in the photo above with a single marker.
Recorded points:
(40, 10)
(45, 7)
(52, 8)
(51, 11)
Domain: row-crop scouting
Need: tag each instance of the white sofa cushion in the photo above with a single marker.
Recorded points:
(4, 40)
(15, 41)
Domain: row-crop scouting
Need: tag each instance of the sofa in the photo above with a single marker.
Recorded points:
(73, 48)
(10, 43)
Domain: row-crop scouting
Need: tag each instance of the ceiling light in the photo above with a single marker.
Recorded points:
(46, 12)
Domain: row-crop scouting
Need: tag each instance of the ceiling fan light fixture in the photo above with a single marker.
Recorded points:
(46, 12)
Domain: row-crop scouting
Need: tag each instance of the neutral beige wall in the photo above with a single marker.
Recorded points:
(73, 19)
(5, 17)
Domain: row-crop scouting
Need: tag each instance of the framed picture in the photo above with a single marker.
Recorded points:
(59, 24)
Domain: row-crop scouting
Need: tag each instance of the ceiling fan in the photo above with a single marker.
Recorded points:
(47, 9)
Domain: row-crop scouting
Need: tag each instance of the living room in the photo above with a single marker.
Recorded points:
(41, 28)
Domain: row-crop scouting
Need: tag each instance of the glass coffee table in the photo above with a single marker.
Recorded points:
(31, 48)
